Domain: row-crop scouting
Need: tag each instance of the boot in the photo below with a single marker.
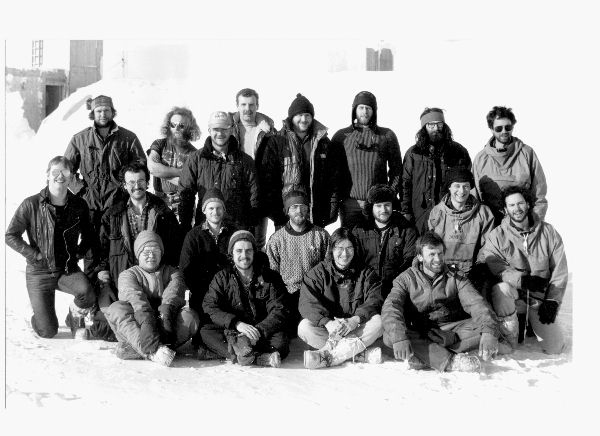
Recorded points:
(269, 359)
(125, 351)
(240, 345)
(464, 362)
(204, 353)
(370, 355)
(163, 356)
(345, 349)
(509, 328)
(415, 363)
(77, 319)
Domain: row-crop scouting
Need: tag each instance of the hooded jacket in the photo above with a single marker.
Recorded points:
(329, 293)
(235, 177)
(518, 166)
(34, 217)
(464, 232)
(419, 303)
(283, 167)
(510, 254)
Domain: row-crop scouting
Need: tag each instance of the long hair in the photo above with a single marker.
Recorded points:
(339, 235)
(190, 133)
(422, 137)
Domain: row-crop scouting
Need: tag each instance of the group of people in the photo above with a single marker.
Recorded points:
(437, 255)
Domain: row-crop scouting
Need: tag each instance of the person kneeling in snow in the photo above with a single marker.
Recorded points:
(340, 300)
(150, 319)
(245, 302)
(433, 316)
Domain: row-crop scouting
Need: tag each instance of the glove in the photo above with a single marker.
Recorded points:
(488, 346)
(402, 350)
(534, 283)
(168, 324)
(149, 337)
(547, 311)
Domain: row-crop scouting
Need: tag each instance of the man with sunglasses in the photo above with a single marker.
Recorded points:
(168, 154)
(506, 161)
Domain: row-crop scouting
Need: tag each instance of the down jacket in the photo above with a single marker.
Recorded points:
(34, 217)
(510, 254)
(323, 297)
(419, 303)
(227, 301)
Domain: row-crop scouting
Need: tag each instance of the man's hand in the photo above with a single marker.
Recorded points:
(104, 276)
(39, 256)
(548, 311)
(488, 346)
(348, 325)
(249, 330)
(402, 350)
(334, 327)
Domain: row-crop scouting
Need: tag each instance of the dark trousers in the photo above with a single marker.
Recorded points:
(88, 260)
(293, 318)
(41, 286)
(214, 338)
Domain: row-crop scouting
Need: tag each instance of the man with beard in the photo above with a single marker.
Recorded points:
(251, 128)
(302, 158)
(370, 150)
(221, 164)
(168, 154)
(433, 316)
(98, 153)
(426, 164)
(386, 240)
(294, 249)
(245, 302)
(507, 161)
(527, 256)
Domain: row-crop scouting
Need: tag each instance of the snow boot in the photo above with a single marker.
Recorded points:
(163, 356)
(240, 346)
(370, 355)
(415, 363)
(464, 363)
(509, 328)
(125, 351)
(345, 349)
(269, 359)
(204, 353)
(78, 319)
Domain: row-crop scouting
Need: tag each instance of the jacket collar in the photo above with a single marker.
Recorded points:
(45, 195)
(318, 130)
(207, 151)
(263, 122)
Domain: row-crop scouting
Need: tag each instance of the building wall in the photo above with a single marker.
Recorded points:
(86, 63)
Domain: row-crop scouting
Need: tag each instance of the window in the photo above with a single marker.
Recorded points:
(37, 53)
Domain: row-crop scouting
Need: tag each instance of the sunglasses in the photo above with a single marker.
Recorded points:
(177, 126)
(498, 129)
(438, 124)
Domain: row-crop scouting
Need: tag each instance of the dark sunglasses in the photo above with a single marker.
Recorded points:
(498, 129)
(177, 126)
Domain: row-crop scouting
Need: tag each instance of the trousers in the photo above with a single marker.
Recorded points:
(316, 336)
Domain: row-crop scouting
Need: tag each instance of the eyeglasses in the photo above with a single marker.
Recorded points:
(438, 124)
(56, 173)
(177, 126)
(132, 183)
(508, 128)
(349, 249)
(146, 252)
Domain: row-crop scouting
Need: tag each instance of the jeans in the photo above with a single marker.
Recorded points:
(505, 299)
(351, 213)
(316, 336)
(41, 286)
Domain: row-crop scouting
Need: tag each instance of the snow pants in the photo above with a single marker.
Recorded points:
(214, 338)
(505, 299)
(41, 286)
(316, 336)
(121, 320)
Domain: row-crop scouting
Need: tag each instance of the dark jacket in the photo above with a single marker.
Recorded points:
(227, 302)
(117, 245)
(419, 193)
(390, 255)
(328, 293)
(201, 258)
(34, 217)
(235, 177)
(282, 169)
(99, 162)
(421, 304)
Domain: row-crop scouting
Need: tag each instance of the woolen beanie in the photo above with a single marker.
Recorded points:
(294, 197)
(101, 100)
(239, 236)
(459, 175)
(144, 238)
(300, 105)
(366, 98)
(213, 194)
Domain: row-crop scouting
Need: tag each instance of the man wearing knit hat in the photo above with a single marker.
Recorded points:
(245, 303)
(463, 223)
(426, 164)
(97, 153)
(222, 164)
(373, 156)
(294, 249)
(386, 240)
(301, 157)
(150, 319)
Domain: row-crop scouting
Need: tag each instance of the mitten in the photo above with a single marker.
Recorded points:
(547, 311)
(149, 336)
(168, 324)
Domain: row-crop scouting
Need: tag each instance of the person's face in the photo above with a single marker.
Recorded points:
(459, 192)
(432, 259)
(516, 208)
(434, 130)
(243, 254)
(502, 131)
(219, 135)
(214, 212)
(364, 114)
(177, 125)
(247, 107)
(136, 184)
(150, 257)
(103, 115)
(382, 212)
(302, 122)
(298, 214)
(58, 176)
(343, 253)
